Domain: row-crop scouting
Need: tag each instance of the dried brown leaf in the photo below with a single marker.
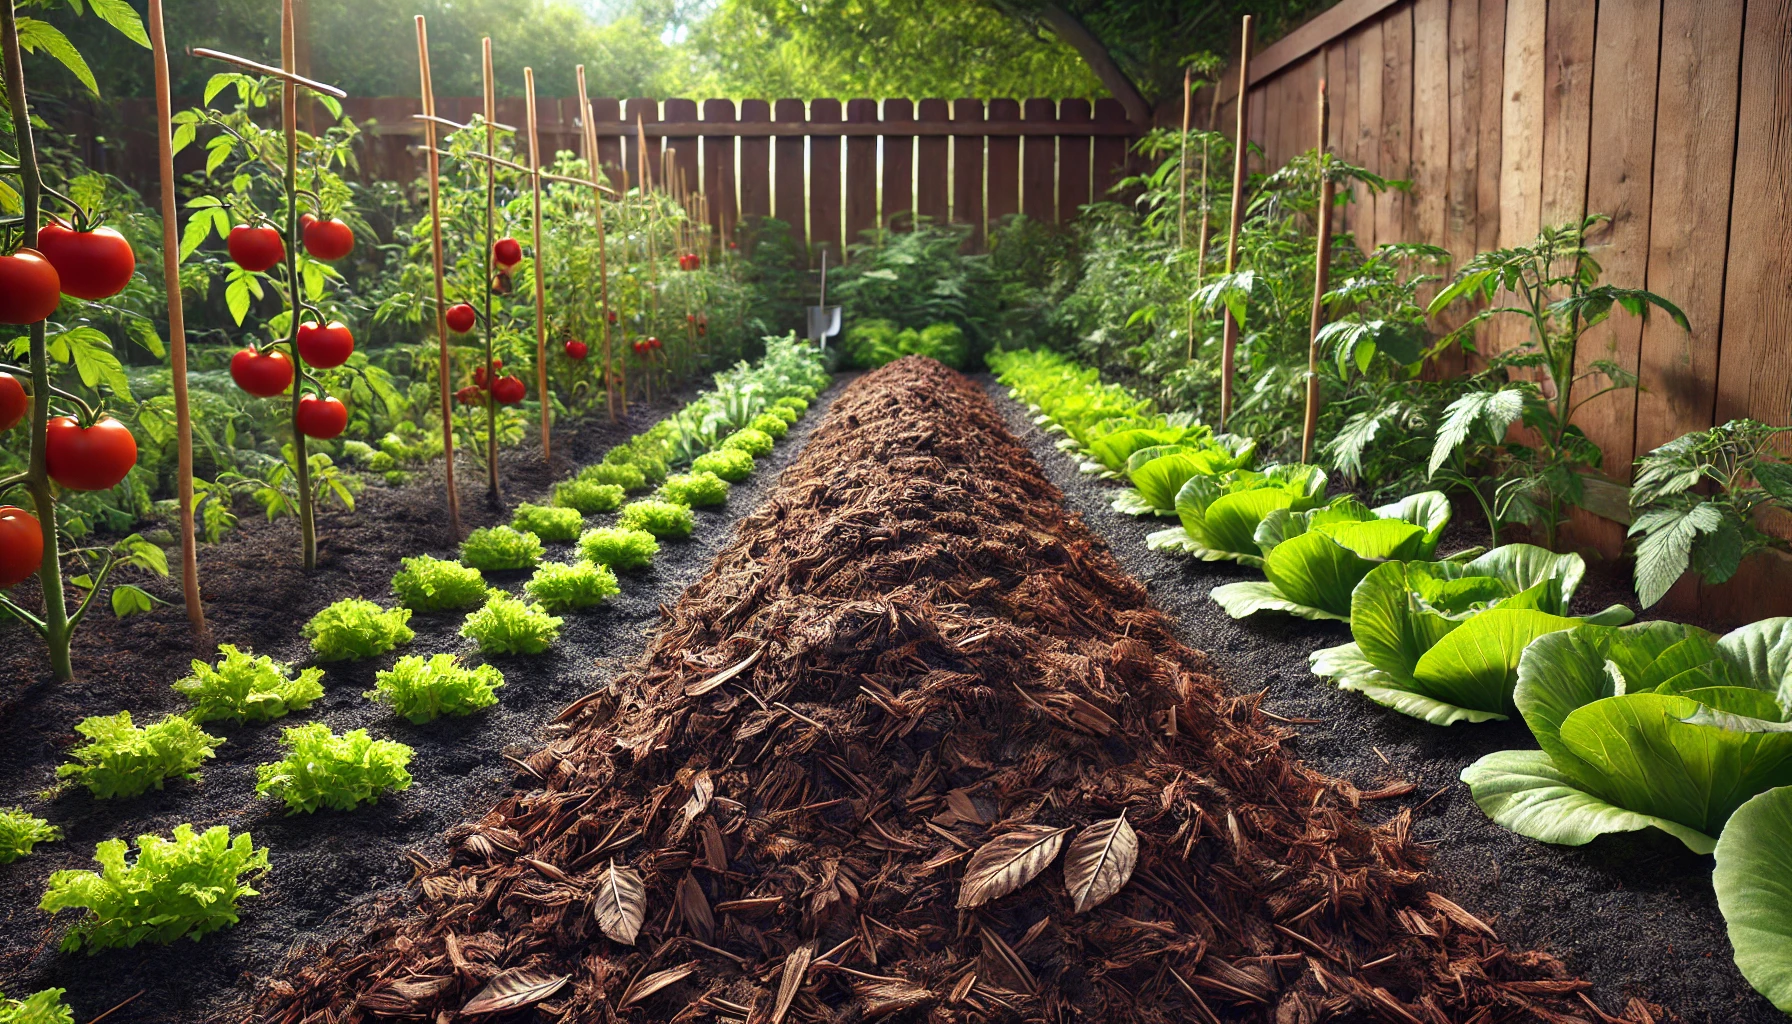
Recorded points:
(404, 996)
(702, 788)
(1008, 862)
(796, 968)
(1099, 862)
(644, 987)
(693, 906)
(514, 990)
(701, 687)
(620, 903)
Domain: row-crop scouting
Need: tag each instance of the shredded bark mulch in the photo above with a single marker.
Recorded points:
(917, 749)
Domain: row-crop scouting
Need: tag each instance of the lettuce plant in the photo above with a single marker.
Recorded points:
(124, 760)
(756, 443)
(355, 628)
(43, 1007)
(427, 584)
(618, 548)
(559, 587)
(614, 474)
(1220, 514)
(694, 490)
(731, 464)
(186, 886)
(422, 690)
(770, 423)
(797, 405)
(663, 519)
(1655, 725)
(242, 687)
(19, 832)
(1753, 879)
(1315, 559)
(646, 453)
(787, 413)
(1110, 453)
(548, 522)
(322, 769)
(496, 548)
(588, 497)
(507, 625)
(1441, 640)
(1158, 473)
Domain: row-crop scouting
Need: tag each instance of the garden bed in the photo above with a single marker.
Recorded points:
(330, 866)
(911, 656)
(1633, 913)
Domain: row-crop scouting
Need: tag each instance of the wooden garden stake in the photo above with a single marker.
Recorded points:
(603, 268)
(1320, 276)
(491, 202)
(177, 327)
(1188, 101)
(289, 115)
(541, 302)
(443, 369)
(1229, 349)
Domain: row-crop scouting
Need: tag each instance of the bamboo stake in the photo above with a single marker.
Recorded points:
(177, 326)
(1229, 349)
(491, 202)
(541, 302)
(1188, 102)
(289, 114)
(653, 273)
(443, 366)
(1320, 277)
(603, 269)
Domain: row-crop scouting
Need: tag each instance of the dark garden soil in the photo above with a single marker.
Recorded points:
(911, 658)
(1633, 913)
(330, 866)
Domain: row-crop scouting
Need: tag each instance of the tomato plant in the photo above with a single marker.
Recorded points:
(95, 263)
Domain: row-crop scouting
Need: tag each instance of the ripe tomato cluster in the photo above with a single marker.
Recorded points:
(646, 345)
(94, 264)
(690, 261)
(505, 390)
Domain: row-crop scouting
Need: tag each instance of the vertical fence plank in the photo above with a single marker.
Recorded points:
(1368, 130)
(1521, 148)
(755, 163)
(606, 112)
(1430, 120)
(824, 183)
(1344, 69)
(1257, 130)
(861, 172)
(1039, 165)
(1110, 150)
(1461, 209)
(792, 194)
(683, 158)
(1073, 162)
(1393, 212)
(1490, 155)
(932, 162)
(1567, 109)
(967, 171)
(718, 170)
(898, 199)
(1002, 196)
(645, 111)
(1695, 143)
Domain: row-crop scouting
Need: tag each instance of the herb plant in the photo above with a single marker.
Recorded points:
(495, 548)
(185, 886)
(20, 831)
(663, 519)
(694, 490)
(124, 760)
(508, 625)
(588, 498)
(44, 1007)
(242, 687)
(422, 690)
(343, 772)
(549, 522)
(355, 628)
(756, 443)
(427, 584)
(618, 548)
(560, 587)
(731, 464)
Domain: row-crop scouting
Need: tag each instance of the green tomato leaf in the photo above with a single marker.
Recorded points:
(121, 16)
(37, 35)
(128, 600)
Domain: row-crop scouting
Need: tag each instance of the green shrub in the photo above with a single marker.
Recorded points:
(549, 522)
(696, 490)
(357, 628)
(663, 519)
(122, 759)
(588, 497)
(45, 1007)
(756, 443)
(772, 424)
(618, 548)
(428, 584)
(495, 548)
(322, 769)
(870, 344)
(242, 687)
(421, 690)
(559, 587)
(785, 413)
(942, 341)
(185, 886)
(614, 474)
(19, 832)
(507, 625)
(731, 464)
(794, 404)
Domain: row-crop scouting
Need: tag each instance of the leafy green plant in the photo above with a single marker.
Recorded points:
(120, 759)
(618, 548)
(618, 474)
(1441, 640)
(1654, 725)
(644, 454)
(1314, 560)
(1709, 533)
(43, 1007)
(422, 690)
(786, 413)
(427, 584)
(497, 548)
(1220, 514)
(355, 628)
(559, 587)
(20, 831)
(548, 522)
(588, 498)
(507, 625)
(694, 490)
(731, 464)
(756, 443)
(1753, 878)
(772, 424)
(1158, 473)
(663, 519)
(794, 404)
(322, 769)
(187, 886)
(243, 687)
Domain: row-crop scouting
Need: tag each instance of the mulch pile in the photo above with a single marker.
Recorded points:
(916, 749)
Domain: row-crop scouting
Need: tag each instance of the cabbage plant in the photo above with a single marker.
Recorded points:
(1754, 890)
(1315, 559)
(1441, 640)
(1220, 515)
(1657, 725)
(1158, 473)
(1108, 454)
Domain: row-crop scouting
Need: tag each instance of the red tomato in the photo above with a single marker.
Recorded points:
(471, 395)
(255, 248)
(639, 347)
(30, 289)
(653, 343)
(263, 373)
(508, 252)
(508, 390)
(14, 402)
(479, 376)
(328, 240)
(577, 349)
(461, 318)
(322, 418)
(612, 316)
(21, 545)
(94, 459)
(703, 324)
(93, 264)
(325, 345)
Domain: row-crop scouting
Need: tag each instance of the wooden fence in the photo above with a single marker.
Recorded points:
(1672, 116)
